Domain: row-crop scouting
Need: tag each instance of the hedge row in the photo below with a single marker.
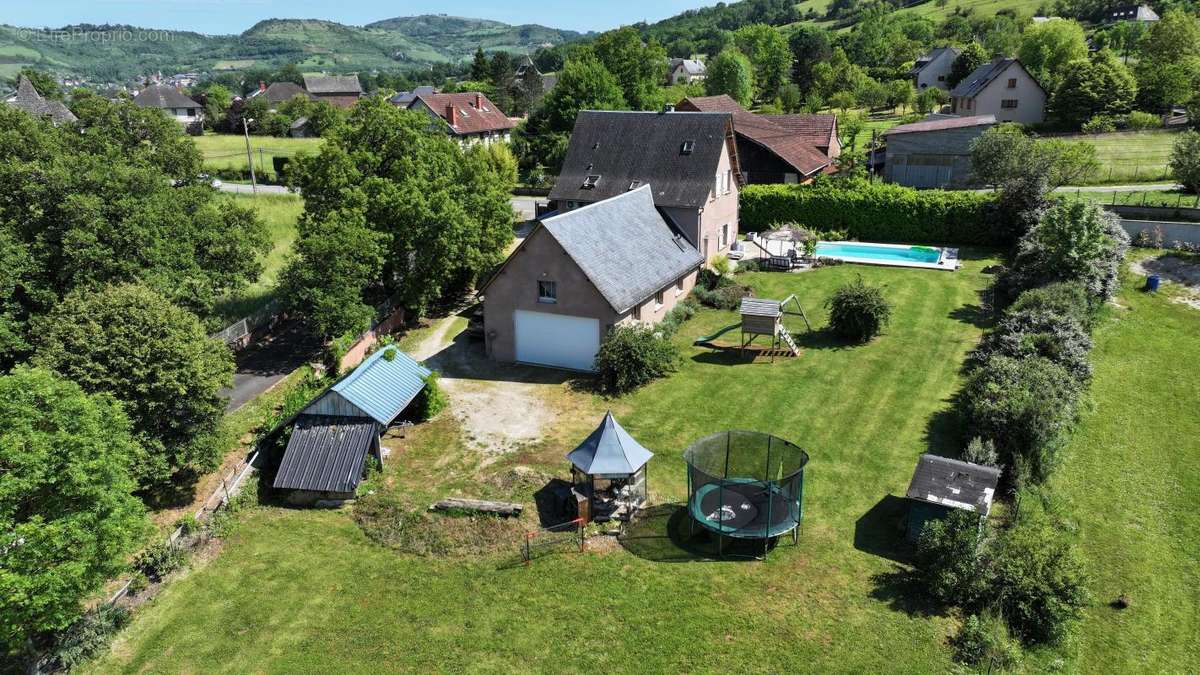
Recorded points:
(878, 212)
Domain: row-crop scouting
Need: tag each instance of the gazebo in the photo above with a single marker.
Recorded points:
(608, 473)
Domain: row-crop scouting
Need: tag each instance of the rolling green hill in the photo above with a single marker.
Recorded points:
(114, 53)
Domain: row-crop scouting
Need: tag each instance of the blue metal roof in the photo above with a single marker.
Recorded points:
(609, 451)
(383, 388)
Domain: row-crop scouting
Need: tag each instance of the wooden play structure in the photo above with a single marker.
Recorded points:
(764, 317)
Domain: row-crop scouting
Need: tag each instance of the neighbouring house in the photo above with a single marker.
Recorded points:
(685, 71)
(1143, 13)
(171, 101)
(405, 98)
(1002, 88)
(819, 131)
(941, 485)
(27, 98)
(691, 159)
(768, 151)
(332, 436)
(278, 93)
(341, 91)
(581, 272)
(527, 70)
(933, 153)
(933, 69)
(468, 117)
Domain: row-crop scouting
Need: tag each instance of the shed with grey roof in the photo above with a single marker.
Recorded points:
(582, 272)
(941, 485)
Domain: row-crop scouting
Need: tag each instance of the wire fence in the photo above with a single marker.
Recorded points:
(239, 333)
(542, 542)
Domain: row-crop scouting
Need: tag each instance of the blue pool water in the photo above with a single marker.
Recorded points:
(883, 254)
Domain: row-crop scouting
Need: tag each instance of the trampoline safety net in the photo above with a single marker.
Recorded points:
(746, 484)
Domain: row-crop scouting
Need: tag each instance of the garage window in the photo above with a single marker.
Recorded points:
(658, 300)
(547, 292)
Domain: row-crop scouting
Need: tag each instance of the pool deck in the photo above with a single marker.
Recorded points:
(947, 261)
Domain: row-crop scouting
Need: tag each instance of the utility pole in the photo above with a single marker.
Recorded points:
(249, 156)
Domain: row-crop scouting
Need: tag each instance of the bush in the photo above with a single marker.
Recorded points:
(1185, 160)
(948, 558)
(88, 636)
(336, 350)
(1142, 121)
(679, 315)
(159, 560)
(984, 640)
(1037, 582)
(725, 297)
(631, 356)
(1100, 124)
(858, 311)
(1025, 406)
(874, 211)
(1026, 333)
(980, 451)
(433, 398)
(188, 523)
(1065, 298)
(749, 265)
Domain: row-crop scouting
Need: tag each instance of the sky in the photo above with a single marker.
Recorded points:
(235, 16)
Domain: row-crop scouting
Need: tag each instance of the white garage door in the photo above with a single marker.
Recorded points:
(557, 340)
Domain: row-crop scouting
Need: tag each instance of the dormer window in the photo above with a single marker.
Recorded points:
(687, 148)
(590, 182)
(633, 185)
(463, 113)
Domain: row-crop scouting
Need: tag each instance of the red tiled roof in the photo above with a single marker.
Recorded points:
(791, 147)
(816, 129)
(476, 114)
(942, 124)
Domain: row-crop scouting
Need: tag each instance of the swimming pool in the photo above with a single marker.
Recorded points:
(899, 255)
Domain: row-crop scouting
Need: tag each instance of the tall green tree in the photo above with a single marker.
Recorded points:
(639, 67)
(443, 215)
(837, 74)
(45, 83)
(770, 55)
(334, 259)
(481, 69)
(158, 361)
(1168, 68)
(730, 73)
(504, 77)
(1046, 49)
(810, 45)
(68, 520)
(1101, 85)
(1185, 160)
(972, 56)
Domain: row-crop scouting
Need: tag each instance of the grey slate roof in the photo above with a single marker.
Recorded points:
(984, 75)
(28, 99)
(690, 66)
(404, 98)
(383, 388)
(931, 57)
(332, 84)
(954, 483)
(326, 454)
(622, 147)
(624, 247)
(609, 451)
(282, 92)
(164, 97)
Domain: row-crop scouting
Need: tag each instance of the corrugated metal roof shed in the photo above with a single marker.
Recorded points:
(326, 454)
(609, 451)
(383, 386)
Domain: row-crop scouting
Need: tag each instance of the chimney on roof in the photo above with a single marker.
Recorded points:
(262, 86)
(451, 114)
(668, 108)
(478, 101)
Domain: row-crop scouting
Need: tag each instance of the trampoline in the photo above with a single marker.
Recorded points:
(746, 484)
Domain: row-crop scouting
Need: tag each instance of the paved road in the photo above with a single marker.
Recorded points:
(266, 362)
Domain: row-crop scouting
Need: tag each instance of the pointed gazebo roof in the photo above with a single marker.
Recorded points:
(609, 451)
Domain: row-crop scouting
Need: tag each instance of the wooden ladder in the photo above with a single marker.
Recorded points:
(787, 340)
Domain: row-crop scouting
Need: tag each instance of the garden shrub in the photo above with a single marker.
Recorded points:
(88, 635)
(433, 398)
(947, 558)
(728, 297)
(1185, 160)
(1142, 121)
(858, 311)
(984, 640)
(1074, 241)
(1065, 298)
(336, 351)
(633, 355)
(1036, 580)
(1025, 406)
(679, 315)
(1100, 124)
(159, 560)
(749, 265)
(1059, 338)
(188, 523)
(874, 211)
(981, 451)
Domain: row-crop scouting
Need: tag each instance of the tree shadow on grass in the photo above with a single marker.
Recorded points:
(880, 531)
(665, 533)
(900, 587)
(943, 432)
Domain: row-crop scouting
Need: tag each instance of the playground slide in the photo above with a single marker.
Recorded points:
(703, 339)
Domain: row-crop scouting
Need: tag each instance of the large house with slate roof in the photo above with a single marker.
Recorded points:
(27, 98)
(1002, 88)
(580, 273)
(171, 101)
(340, 91)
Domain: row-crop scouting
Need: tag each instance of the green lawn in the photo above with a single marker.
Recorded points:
(1131, 480)
(228, 151)
(1132, 157)
(1167, 198)
(306, 591)
(279, 212)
